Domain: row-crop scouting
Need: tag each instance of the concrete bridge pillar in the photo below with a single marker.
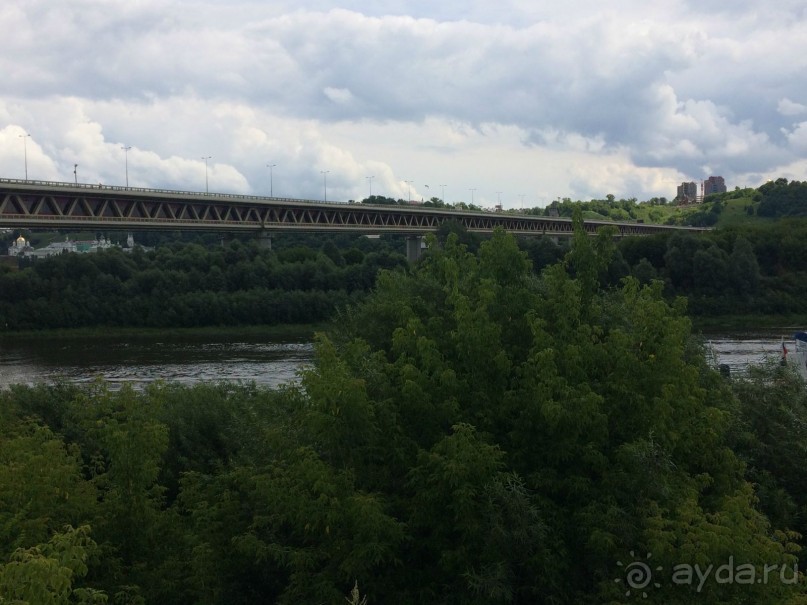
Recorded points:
(413, 248)
(265, 240)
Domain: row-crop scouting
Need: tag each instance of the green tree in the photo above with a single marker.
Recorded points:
(744, 272)
(644, 272)
(711, 270)
(596, 401)
(770, 435)
(47, 574)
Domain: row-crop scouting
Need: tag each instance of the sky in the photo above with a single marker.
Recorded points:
(518, 102)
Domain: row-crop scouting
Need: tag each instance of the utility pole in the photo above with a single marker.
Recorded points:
(25, 138)
(271, 178)
(126, 160)
(325, 184)
(206, 158)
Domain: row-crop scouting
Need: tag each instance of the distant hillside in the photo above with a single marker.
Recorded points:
(782, 198)
(775, 199)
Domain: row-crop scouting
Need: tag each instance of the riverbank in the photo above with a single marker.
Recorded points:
(707, 325)
(275, 332)
(748, 323)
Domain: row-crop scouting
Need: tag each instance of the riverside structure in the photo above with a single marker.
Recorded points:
(49, 205)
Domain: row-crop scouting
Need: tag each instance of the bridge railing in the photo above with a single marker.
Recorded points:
(228, 196)
(119, 188)
(256, 198)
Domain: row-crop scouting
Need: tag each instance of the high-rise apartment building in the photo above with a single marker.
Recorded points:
(714, 184)
(687, 193)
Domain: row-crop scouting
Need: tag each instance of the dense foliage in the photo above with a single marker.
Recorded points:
(782, 198)
(187, 285)
(753, 269)
(470, 433)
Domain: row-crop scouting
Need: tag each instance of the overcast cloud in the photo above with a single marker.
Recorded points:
(519, 101)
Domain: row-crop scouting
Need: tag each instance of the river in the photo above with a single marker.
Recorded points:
(139, 360)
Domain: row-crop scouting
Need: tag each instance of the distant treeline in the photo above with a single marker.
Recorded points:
(759, 268)
(782, 198)
(187, 284)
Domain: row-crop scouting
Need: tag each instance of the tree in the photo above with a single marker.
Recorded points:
(644, 272)
(47, 574)
(594, 399)
(744, 273)
(678, 258)
(711, 270)
(770, 435)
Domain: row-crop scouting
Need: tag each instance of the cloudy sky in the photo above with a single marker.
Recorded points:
(518, 101)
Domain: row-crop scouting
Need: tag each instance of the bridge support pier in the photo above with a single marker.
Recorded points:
(265, 240)
(413, 248)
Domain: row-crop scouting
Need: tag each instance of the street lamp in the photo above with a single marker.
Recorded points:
(206, 158)
(370, 182)
(443, 194)
(472, 196)
(126, 160)
(410, 191)
(25, 138)
(75, 173)
(324, 174)
(271, 185)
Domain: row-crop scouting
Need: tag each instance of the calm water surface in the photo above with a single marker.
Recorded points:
(144, 359)
(268, 362)
(739, 350)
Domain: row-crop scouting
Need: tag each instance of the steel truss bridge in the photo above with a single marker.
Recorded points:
(46, 205)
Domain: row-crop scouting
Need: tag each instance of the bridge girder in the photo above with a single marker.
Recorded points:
(64, 205)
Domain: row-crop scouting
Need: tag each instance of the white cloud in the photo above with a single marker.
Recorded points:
(341, 96)
(790, 108)
(798, 138)
(609, 94)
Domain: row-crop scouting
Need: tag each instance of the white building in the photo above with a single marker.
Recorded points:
(19, 247)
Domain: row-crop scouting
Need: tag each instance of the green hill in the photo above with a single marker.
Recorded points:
(773, 200)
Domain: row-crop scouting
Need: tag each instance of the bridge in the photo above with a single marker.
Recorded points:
(57, 205)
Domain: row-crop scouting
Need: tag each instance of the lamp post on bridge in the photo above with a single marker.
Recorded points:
(271, 178)
(126, 161)
(206, 158)
(472, 196)
(324, 174)
(443, 194)
(409, 194)
(25, 138)
(75, 173)
(370, 182)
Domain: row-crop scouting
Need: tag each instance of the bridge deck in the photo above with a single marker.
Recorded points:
(43, 204)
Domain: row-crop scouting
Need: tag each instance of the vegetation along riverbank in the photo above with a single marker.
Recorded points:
(469, 433)
(503, 422)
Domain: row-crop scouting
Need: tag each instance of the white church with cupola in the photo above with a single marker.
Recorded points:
(20, 247)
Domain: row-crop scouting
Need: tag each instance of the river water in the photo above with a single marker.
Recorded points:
(267, 362)
(738, 351)
(147, 358)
